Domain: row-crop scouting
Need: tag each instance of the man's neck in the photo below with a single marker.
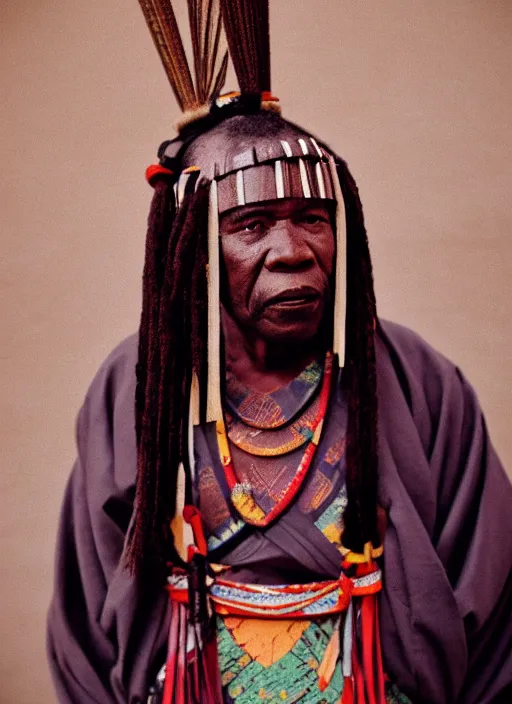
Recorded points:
(261, 364)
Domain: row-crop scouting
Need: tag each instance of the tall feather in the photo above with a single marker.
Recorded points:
(247, 30)
(208, 45)
(162, 24)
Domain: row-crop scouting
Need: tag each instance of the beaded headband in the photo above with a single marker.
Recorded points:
(285, 169)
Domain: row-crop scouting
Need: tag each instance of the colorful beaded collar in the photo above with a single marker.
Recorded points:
(241, 493)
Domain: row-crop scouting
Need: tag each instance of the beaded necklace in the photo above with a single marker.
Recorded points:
(242, 495)
(277, 422)
(273, 409)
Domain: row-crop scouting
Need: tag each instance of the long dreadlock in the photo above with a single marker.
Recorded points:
(359, 377)
(172, 344)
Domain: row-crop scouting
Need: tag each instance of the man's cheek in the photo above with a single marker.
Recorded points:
(236, 297)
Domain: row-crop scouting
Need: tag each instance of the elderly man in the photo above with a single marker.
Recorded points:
(314, 486)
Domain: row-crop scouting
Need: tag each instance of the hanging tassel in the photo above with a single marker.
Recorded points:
(367, 670)
(348, 629)
(193, 420)
(180, 530)
(171, 665)
(371, 652)
(329, 661)
(348, 691)
(179, 693)
(213, 397)
(340, 294)
(181, 527)
(213, 686)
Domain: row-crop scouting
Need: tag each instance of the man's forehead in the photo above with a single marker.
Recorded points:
(278, 208)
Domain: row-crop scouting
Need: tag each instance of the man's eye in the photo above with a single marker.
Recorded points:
(312, 219)
(253, 226)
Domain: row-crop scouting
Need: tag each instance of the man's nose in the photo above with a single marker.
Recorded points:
(288, 249)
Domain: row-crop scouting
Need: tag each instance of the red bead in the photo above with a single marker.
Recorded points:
(156, 172)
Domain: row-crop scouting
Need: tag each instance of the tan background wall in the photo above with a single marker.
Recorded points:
(415, 93)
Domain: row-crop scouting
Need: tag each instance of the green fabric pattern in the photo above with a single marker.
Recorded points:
(291, 679)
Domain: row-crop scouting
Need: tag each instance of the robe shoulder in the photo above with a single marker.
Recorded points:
(107, 419)
(414, 360)
(116, 375)
(410, 344)
(433, 387)
(98, 611)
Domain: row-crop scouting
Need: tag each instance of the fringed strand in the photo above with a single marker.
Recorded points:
(340, 292)
(214, 401)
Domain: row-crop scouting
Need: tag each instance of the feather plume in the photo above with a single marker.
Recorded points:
(209, 47)
(247, 29)
(208, 44)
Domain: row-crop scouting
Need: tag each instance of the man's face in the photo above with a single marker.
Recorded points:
(278, 256)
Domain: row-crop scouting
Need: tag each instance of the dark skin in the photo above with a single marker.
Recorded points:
(278, 258)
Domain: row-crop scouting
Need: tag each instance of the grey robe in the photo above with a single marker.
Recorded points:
(446, 612)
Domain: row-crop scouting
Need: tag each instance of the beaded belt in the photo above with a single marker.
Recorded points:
(280, 601)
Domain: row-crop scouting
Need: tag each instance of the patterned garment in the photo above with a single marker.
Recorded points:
(273, 409)
(280, 660)
(269, 477)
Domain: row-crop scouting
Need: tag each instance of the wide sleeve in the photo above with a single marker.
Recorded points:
(81, 655)
(473, 539)
(105, 631)
(447, 616)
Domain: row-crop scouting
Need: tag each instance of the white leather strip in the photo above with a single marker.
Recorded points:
(304, 179)
(240, 188)
(340, 293)
(279, 179)
(286, 148)
(213, 398)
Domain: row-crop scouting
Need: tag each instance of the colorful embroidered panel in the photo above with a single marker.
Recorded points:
(269, 477)
(276, 661)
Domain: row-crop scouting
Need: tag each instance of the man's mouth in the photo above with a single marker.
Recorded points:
(294, 297)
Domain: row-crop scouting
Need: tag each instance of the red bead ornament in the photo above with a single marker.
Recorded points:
(192, 516)
(155, 172)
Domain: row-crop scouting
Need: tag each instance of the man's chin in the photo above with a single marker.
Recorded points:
(288, 332)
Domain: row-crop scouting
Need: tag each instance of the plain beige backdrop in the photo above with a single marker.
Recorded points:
(416, 94)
